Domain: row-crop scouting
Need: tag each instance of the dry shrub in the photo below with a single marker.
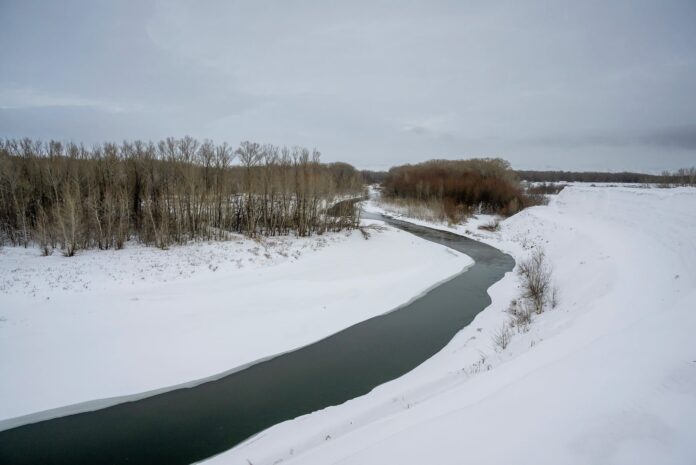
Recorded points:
(367, 231)
(431, 210)
(545, 188)
(533, 200)
(501, 338)
(455, 212)
(536, 280)
(521, 314)
(487, 185)
(554, 297)
(492, 226)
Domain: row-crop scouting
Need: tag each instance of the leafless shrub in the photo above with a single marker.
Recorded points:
(479, 365)
(426, 210)
(492, 226)
(554, 296)
(455, 212)
(367, 231)
(501, 338)
(433, 210)
(545, 188)
(534, 200)
(536, 280)
(521, 314)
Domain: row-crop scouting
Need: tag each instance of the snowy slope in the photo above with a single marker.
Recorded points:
(608, 377)
(117, 323)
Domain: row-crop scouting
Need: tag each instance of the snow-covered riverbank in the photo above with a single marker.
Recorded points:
(607, 377)
(115, 323)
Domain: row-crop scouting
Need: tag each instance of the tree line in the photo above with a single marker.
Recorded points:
(484, 184)
(373, 177)
(67, 196)
(683, 176)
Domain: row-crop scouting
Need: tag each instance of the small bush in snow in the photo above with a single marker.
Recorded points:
(492, 226)
(366, 230)
(536, 280)
(501, 338)
(521, 313)
(479, 366)
(554, 297)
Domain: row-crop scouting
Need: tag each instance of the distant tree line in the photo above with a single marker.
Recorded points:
(683, 176)
(170, 192)
(460, 186)
(373, 177)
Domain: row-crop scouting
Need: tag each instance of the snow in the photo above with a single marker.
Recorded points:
(107, 324)
(607, 377)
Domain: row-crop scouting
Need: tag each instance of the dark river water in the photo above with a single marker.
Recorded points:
(190, 424)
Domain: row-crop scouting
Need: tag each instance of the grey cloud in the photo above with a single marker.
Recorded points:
(680, 137)
(564, 84)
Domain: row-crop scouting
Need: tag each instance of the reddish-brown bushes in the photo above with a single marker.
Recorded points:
(487, 185)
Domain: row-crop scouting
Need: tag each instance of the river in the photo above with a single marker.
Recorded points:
(186, 425)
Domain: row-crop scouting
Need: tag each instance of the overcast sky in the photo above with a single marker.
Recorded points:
(605, 85)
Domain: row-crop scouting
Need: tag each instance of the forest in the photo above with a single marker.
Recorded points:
(67, 196)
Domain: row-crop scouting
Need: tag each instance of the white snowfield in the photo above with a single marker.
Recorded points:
(607, 377)
(119, 323)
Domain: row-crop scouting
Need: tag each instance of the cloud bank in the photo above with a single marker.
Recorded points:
(569, 85)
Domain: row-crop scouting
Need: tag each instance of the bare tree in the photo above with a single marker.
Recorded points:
(170, 192)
